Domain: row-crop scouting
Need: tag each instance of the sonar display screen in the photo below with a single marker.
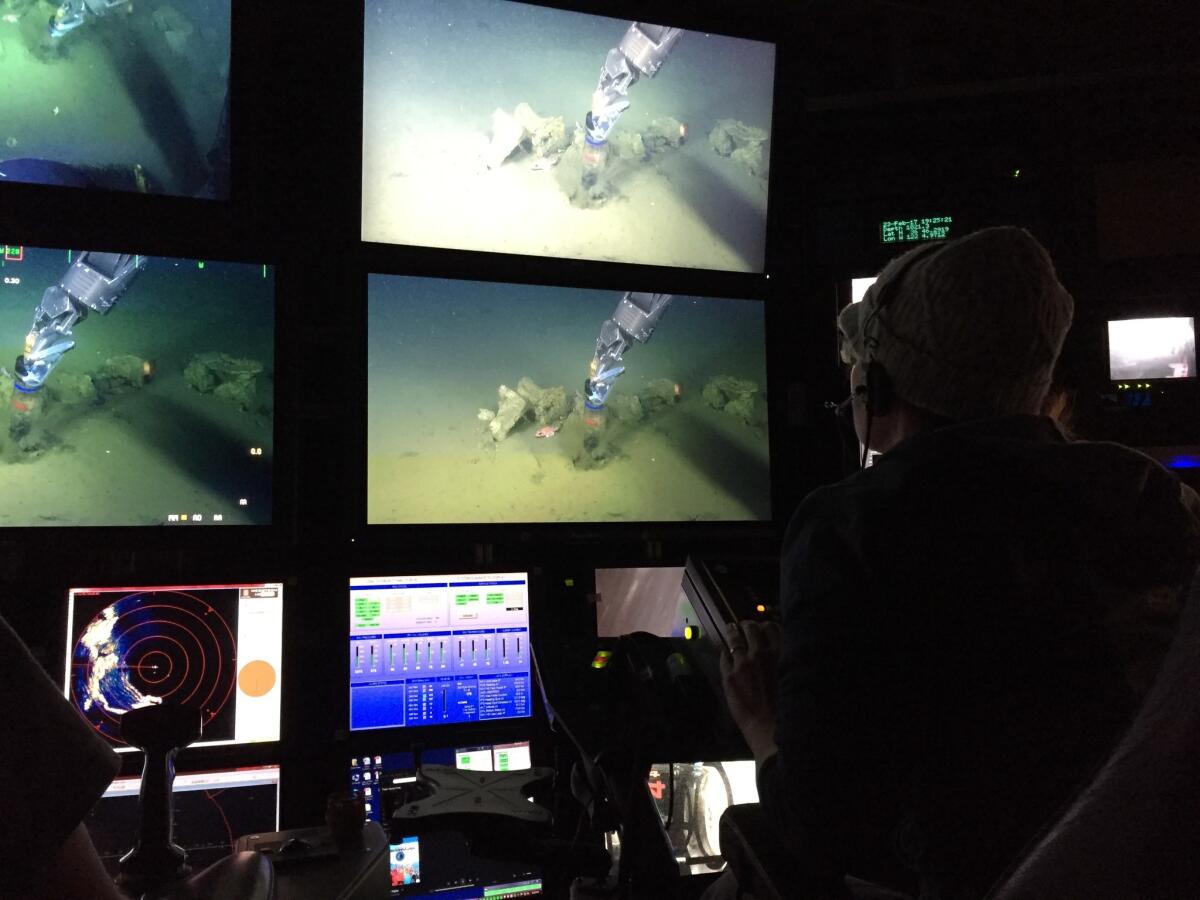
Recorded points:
(135, 390)
(439, 649)
(508, 403)
(515, 128)
(120, 95)
(216, 648)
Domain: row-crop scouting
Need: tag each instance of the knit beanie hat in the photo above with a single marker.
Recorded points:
(967, 329)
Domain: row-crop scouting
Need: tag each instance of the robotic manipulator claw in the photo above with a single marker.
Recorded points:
(93, 283)
(633, 320)
(72, 13)
(642, 51)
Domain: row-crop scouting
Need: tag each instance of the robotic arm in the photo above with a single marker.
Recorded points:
(93, 283)
(642, 51)
(633, 320)
(72, 13)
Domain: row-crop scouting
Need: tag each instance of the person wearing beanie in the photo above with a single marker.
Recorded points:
(969, 624)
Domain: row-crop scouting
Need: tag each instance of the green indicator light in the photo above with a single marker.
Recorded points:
(1016, 173)
(264, 270)
(569, 582)
(68, 256)
(200, 264)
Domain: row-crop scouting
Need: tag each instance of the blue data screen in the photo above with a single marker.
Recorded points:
(438, 650)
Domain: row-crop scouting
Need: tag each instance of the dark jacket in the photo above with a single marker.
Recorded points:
(969, 625)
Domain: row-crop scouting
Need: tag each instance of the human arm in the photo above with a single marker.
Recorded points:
(54, 770)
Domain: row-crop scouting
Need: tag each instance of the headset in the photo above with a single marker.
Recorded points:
(876, 390)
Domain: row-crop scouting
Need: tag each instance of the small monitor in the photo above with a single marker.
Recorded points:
(439, 649)
(217, 648)
(483, 406)
(520, 128)
(138, 390)
(1163, 347)
(690, 798)
(858, 287)
(382, 778)
(116, 95)
(212, 810)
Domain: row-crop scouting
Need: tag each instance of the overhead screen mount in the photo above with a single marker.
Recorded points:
(439, 649)
(215, 648)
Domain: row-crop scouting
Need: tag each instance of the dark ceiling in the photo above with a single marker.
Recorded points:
(858, 46)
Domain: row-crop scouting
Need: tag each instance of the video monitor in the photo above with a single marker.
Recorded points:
(212, 810)
(690, 798)
(858, 287)
(512, 403)
(1162, 347)
(382, 778)
(508, 127)
(138, 390)
(439, 649)
(216, 648)
(116, 95)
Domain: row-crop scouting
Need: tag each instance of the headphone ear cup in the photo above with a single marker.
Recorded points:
(879, 390)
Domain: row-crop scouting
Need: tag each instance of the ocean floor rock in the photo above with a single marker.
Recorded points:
(225, 377)
(512, 408)
(741, 142)
(72, 390)
(736, 396)
(549, 405)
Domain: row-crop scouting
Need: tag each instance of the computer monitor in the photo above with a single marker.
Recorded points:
(116, 95)
(496, 126)
(1150, 348)
(143, 394)
(478, 411)
(690, 798)
(439, 649)
(381, 778)
(858, 287)
(217, 648)
(212, 810)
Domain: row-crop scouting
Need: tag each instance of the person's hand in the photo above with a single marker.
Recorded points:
(748, 676)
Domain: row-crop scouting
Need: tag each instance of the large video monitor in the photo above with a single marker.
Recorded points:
(497, 126)
(212, 810)
(116, 95)
(137, 390)
(477, 410)
(439, 649)
(1162, 347)
(216, 648)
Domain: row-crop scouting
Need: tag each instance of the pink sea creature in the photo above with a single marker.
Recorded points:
(546, 431)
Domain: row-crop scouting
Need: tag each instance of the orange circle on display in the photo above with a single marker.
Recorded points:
(256, 678)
